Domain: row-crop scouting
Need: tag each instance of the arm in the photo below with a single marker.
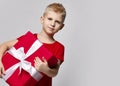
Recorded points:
(3, 48)
(43, 67)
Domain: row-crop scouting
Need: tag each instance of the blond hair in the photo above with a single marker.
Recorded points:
(56, 7)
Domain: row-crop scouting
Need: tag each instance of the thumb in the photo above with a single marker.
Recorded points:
(44, 60)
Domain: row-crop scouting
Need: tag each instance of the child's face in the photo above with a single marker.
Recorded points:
(52, 22)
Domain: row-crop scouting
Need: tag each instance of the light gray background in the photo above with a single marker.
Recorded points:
(91, 37)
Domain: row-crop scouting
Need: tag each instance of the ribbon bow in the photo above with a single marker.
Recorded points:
(24, 64)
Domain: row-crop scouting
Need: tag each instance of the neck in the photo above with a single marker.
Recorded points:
(45, 38)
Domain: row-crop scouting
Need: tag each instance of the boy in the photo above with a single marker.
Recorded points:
(52, 21)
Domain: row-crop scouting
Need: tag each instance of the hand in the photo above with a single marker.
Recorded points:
(2, 71)
(39, 64)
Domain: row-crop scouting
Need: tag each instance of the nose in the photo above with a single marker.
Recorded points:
(53, 23)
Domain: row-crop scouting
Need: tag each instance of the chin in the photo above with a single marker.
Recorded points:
(49, 33)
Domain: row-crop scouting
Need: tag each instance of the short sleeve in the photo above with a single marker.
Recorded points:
(28, 33)
(57, 49)
(60, 53)
(20, 37)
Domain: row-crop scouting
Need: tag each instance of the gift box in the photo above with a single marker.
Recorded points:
(18, 61)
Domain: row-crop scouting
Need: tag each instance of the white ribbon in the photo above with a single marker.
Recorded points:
(24, 64)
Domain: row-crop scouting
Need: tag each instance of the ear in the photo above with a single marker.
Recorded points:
(62, 26)
(41, 19)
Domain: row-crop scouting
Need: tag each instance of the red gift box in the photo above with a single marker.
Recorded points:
(19, 61)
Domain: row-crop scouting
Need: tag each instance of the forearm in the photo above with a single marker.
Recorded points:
(49, 72)
(3, 48)
(44, 68)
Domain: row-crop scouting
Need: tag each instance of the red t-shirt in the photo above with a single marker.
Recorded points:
(57, 49)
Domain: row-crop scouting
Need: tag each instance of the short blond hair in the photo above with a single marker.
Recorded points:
(56, 7)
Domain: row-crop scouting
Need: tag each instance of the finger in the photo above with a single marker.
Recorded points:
(0, 72)
(38, 59)
(3, 70)
(0, 76)
(59, 62)
(36, 66)
(44, 60)
(36, 62)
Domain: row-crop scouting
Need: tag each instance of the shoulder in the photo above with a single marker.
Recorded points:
(59, 47)
(27, 35)
(60, 51)
(59, 44)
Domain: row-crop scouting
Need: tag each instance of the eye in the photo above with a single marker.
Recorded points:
(49, 18)
(58, 22)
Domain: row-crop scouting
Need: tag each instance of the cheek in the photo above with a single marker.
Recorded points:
(57, 29)
(45, 23)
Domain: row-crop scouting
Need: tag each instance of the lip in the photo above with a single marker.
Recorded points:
(51, 28)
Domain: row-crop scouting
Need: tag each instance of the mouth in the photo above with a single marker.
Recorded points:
(51, 28)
